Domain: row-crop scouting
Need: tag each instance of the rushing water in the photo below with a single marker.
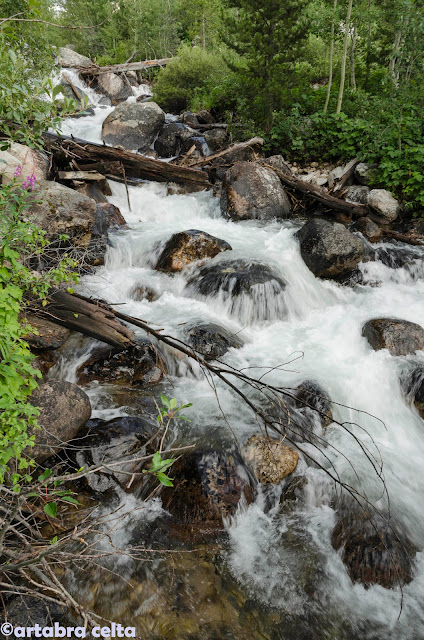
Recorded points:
(276, 575)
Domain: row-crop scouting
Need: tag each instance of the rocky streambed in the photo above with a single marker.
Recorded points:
(254, 540)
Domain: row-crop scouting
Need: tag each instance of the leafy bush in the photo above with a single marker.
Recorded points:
(377, 129)
(192, 71)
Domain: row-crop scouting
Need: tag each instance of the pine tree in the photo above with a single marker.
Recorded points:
(268, 36)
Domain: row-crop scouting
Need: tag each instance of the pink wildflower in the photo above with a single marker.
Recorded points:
(29, 182)
(18, 171)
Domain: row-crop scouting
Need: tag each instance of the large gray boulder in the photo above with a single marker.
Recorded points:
(399, 337)
(252, 192)
(384, 204)
(133, 126)
(187, 247)
(70, 58)
(25, 161)
(64, 409)
(328, 249)
(60, 210)
(113, 87)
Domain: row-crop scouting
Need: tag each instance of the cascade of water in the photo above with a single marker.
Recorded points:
(322, 321)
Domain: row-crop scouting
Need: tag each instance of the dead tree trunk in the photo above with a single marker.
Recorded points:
(72, 153)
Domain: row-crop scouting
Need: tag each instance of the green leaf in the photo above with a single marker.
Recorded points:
(163, 479)
(51, 509)
(70, 499)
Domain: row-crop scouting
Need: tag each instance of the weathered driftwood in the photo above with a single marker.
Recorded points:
(345, 177)
(87, 176)
(80, 314)
(315, 192)
(402, 237)
(95, 70)
(222, 156)
(73, 152)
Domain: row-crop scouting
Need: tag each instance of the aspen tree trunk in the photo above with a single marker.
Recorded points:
(344, 58)
(352, 58)
(330, 70)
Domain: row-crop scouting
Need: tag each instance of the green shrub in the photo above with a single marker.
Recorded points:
(192, 71)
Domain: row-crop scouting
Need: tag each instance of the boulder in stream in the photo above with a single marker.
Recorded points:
(369, 229)
(270, 460)
(113, 87)
(399, 337)
(211, 340)
(187, 247)
(373, 551)
(384, 204)
(252, 192)
(168, 142)
(216, 139)
(328, 249)
(64, 409)
(311, 397)
(70, 58)
(60, 210)
(143, 292)
(138, 365)
(208, 486)
(133, 126)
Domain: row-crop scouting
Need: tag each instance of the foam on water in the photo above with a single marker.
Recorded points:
(322, 324)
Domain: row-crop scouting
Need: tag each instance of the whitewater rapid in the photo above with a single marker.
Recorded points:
(320, 339)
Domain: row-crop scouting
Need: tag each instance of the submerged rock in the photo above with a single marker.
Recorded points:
(252, 192)
(138, 365)
(143, 292)
(113, 87)
(374, 552)
(400, 337)
(328, 249)
(208, 486)
(133, 126)
(252, 290)
(270, 460)
(64, 409)
(384, 204)
(103, 442)
(189, 246)
(211, 340)
(312, 398)
(413, 385)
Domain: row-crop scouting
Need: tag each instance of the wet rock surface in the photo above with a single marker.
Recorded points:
(208, 486)
(64, 409)
(105, 442)
(252, 192)
(369, 229)
(138, 365)
(413, 385)
(235, 277)
(311, 397)
(328, 249)
(189, 246)
(216, 139)
(373, 552)
(400, 337)
(133, 126)
(270, 460)
(48, 336)
(211, 340)
(143, 292)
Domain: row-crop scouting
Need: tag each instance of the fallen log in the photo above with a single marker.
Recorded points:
(95, 70)
(402, 237)
(69, 152)
(315, 192)
(86, 176)
(88, 317)
(345, 177)
(226, 155)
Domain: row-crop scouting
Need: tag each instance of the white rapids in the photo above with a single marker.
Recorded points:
(320, 337)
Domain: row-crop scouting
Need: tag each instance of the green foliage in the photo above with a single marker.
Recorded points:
(27, 106)
(194, 70)
(377, 129)
(19, 242)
